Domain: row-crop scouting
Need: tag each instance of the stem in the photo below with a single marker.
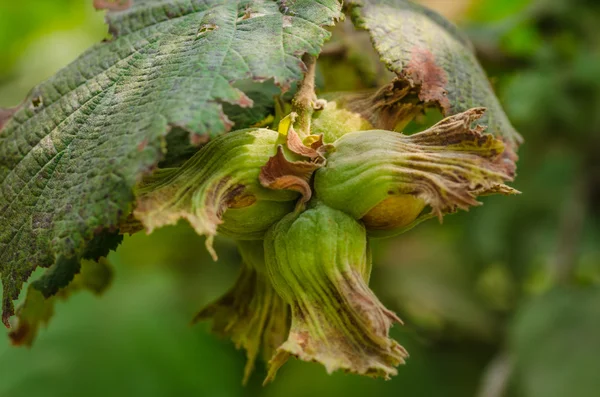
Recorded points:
(279, 111)
(305, 99)
(496, 376)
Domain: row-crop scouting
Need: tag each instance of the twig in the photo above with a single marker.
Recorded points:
(305, 100)
(496, 377)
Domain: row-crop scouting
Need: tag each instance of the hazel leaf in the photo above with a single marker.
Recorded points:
(112, 5)
(6, 114)
(37, 309)
(434, 62)
(72, 153)
(179, 148)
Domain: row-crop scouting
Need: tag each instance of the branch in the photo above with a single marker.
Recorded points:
(305, 101)
(496, 376)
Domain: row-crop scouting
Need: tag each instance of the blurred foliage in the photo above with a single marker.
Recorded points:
(500, 301)
(556, 344)
(38, 37)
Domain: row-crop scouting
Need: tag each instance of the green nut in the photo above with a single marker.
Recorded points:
(319, 263)
(251, 314)
(218, 189)
(333, 122)
(255, 185)
(387, 178)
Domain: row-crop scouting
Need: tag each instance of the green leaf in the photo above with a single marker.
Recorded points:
(434, 62)
(72, 153)
(261, 114)
(37, 309)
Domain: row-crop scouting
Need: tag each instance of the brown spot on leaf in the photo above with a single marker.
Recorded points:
(510, 158)
(287, 21)
(113, 5)
(41, 220)
(142, 145)
(37, 101)
(281, 174)
(206, 28)
(228, 124)
(6, 114)
(198, 139)
(249, 13)
(245, 101)
(423, 71)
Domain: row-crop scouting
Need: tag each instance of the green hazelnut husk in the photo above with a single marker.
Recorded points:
(334, 121)
(319, 263)
(394, 212)
(222, 176)
(387, 178)
(251, 313)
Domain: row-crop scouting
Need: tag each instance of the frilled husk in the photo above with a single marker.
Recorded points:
(222, 175)
(319, 263)
(387, 178)
(251, 313)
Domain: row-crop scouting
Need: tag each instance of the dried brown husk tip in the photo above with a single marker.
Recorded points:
(251, 313)
(387, 178)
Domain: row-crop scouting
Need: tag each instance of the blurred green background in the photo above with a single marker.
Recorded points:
(501, 301)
